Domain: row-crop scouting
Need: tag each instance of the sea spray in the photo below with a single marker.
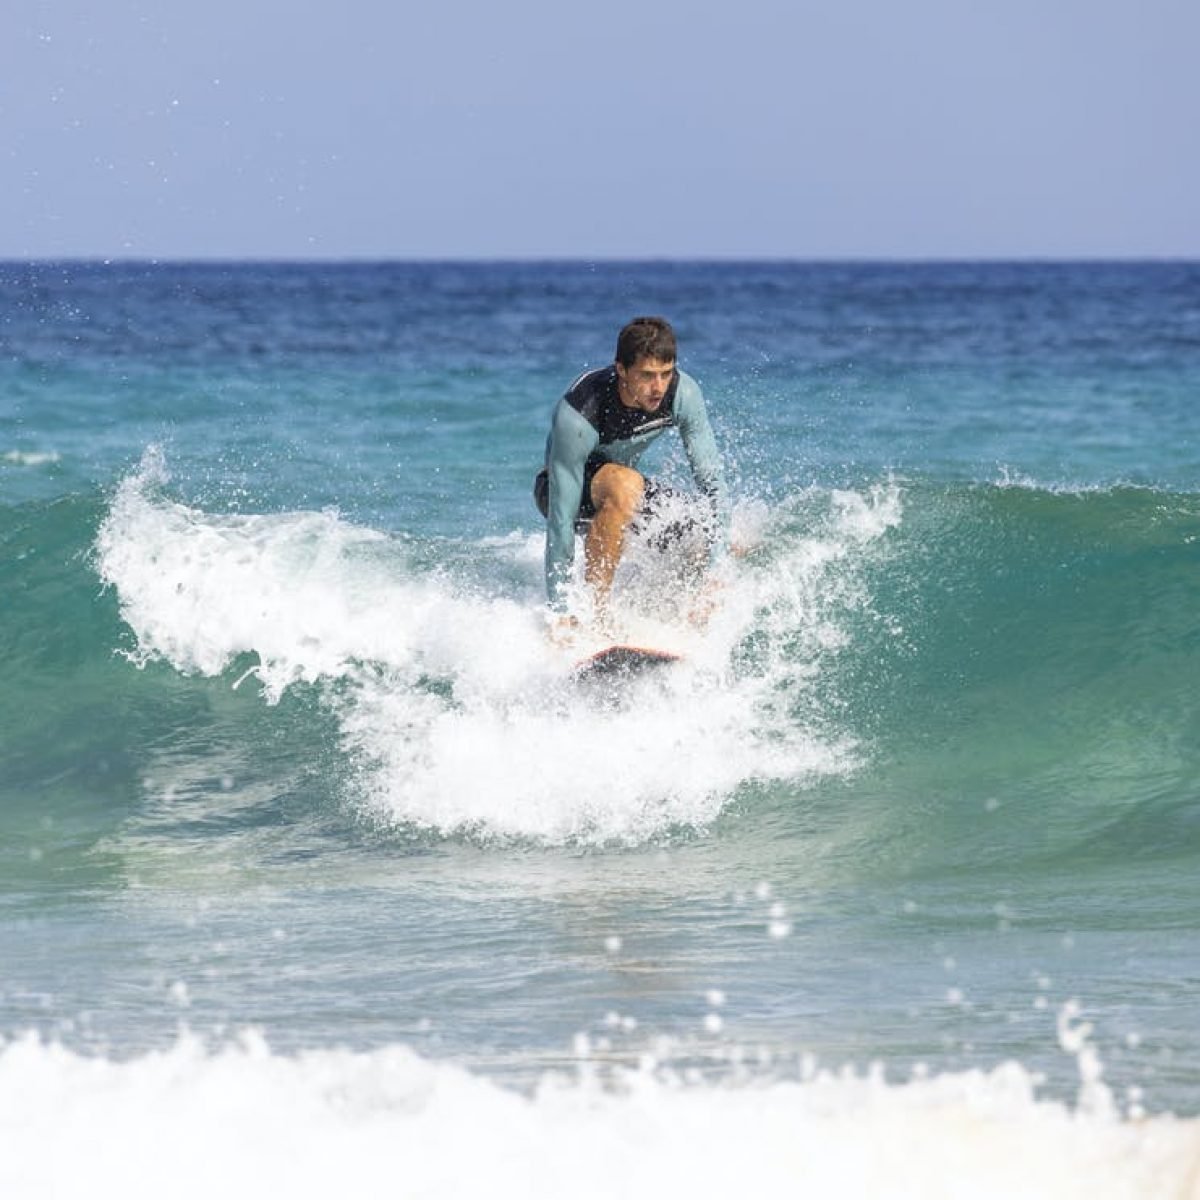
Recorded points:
(457, 711)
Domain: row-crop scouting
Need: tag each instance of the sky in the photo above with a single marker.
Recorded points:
(399, 129)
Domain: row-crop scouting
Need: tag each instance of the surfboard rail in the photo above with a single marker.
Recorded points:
(623, 659)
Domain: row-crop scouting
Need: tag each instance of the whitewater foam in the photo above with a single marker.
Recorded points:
(243, 1121)
(31, 458)
(455, 709)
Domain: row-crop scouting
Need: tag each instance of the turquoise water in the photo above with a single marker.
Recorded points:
(287, 756)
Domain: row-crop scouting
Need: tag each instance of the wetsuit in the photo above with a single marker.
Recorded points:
(592, 427)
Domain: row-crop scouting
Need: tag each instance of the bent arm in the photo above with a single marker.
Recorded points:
(705, 460)
(572, 439)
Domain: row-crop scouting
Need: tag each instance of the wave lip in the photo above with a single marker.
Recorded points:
(198, 589)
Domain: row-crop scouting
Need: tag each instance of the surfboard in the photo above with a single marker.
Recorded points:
(622, 661)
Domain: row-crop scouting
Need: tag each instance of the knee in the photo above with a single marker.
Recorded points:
(618, 490)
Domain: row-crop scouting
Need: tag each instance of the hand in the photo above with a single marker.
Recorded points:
(705, 604)
(562, 630)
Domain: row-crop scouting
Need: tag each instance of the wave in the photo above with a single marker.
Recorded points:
(190, 1121)
(1032, 696)
(457, 711)
(969, 675)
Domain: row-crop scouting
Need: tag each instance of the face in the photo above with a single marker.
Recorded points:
(644, 384)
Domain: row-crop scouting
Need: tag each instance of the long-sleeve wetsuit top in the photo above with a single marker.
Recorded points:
(590, 420)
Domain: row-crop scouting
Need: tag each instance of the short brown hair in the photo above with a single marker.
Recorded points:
(646, 337)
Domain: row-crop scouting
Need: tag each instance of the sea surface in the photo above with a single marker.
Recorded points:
(320, 874)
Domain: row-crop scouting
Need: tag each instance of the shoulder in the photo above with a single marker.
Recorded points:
(588, 389)
(688, 394)
(573, 429)
(587, 394)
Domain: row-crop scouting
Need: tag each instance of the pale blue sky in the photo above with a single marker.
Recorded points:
(538, 128)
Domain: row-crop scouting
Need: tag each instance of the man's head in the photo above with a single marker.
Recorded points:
(645, 362)
(646, 337)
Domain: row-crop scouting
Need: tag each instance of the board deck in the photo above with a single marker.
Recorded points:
(622, 661)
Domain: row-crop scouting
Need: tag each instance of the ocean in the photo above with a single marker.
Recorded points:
(318, 869)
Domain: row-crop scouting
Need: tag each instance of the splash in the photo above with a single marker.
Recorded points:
(456, 714)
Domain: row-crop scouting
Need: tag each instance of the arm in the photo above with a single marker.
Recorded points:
(572, 439)
(704, 458)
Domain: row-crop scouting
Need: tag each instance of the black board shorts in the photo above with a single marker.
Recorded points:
(587, 509)
(653, 498)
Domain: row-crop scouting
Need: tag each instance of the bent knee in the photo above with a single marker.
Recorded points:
(618, 488)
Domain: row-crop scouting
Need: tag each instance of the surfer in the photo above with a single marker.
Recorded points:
(599, 431)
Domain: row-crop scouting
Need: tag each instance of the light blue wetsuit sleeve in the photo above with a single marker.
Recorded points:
(572, 439)
(704, 458)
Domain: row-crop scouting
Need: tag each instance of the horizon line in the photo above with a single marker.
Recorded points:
(593, 260)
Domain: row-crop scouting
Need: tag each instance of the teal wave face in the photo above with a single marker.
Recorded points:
(1031, 695)
(91, 742)
(64, 774)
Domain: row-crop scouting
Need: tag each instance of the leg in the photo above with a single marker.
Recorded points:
(616, 493)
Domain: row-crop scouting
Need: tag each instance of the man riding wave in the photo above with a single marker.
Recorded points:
(600, 430)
